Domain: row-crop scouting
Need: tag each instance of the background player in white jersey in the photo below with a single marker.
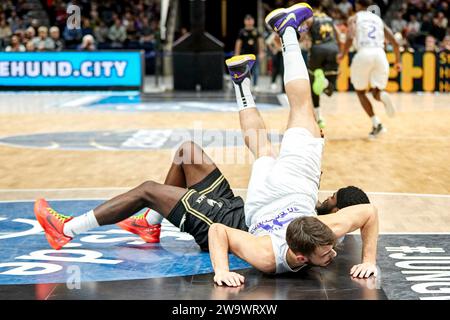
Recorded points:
(285, 234)
(370, 68)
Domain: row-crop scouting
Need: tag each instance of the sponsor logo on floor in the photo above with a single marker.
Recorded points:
(145, 139)
(106, 253)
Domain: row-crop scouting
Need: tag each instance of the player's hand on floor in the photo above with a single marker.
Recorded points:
(364, 270)
(231, 279)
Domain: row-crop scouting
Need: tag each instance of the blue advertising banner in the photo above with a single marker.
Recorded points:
(71, 70)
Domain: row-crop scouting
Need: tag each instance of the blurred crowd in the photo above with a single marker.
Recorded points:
(422, 25)
(105, 24)
(134, 24)
(418, 25)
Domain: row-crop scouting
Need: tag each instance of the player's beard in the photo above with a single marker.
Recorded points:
(323, 209)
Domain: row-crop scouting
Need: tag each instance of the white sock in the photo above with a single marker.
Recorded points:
(80, 224)
(294, 65)
(154, 217)
(317, 113)
(244, 96)
(375, 121)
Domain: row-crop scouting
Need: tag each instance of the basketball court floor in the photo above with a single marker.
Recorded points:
(79, 149)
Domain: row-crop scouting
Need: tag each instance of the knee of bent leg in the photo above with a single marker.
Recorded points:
(189, 152)
(147, 189)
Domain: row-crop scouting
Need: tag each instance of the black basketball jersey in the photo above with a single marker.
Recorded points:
(249, 41)
(322, 28)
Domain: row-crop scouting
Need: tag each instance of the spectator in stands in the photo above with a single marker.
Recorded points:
(398, 24)
(250, 41)
(22, 7)
(146, 32)
(94, 18)
(130, 26)
(117, 34)
(86, 26)
(29, 35)
(5, 32)
(413, 25)
(15, 22)
(42, 42)
(88, 43)
(439, 27)
(29, 46)
(101, 32)
(61, 15)
(55, 35)
(274, 45)
(443, 7)
(21, 35)
(72, 37)
(35, 24)
(426, 24)
(345, 7)
(106, 12)
(15, 45)
(445, 44)
(430, 44)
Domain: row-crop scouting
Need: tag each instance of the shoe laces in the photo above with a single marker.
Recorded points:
(139, 216)
(57, 215)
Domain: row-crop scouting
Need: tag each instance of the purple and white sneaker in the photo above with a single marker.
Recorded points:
(240, 67)
(294, 16)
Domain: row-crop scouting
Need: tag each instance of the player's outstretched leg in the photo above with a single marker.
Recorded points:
(252, 124)
(287, 22)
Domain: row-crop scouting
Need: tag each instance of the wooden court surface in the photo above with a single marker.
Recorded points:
(412, 157)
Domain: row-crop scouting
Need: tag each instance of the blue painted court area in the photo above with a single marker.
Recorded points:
(135, 103)
(106, 253)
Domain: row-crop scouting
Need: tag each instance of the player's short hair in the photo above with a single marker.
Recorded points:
(305, 234)
(350, 196)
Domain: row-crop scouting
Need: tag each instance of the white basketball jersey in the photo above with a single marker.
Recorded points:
(369, 31)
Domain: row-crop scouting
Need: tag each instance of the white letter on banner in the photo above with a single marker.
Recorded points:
(33, 68)
(64, 69)
(107, 68)
(48, 68)
(120, 67)
(17, 68)
(97, 69)
(4, 69)
(85, 66)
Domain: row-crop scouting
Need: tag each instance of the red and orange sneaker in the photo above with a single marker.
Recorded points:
(138, 225)
(53, 224)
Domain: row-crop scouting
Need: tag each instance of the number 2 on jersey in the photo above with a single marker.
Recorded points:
(371, 33)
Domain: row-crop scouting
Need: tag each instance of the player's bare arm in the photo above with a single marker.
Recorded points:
(365, 218)
(255, 250)
(351, 22)
(238, 47)
(390, 37)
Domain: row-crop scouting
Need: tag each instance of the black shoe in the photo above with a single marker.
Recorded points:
(376, 131)
(329, 90)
